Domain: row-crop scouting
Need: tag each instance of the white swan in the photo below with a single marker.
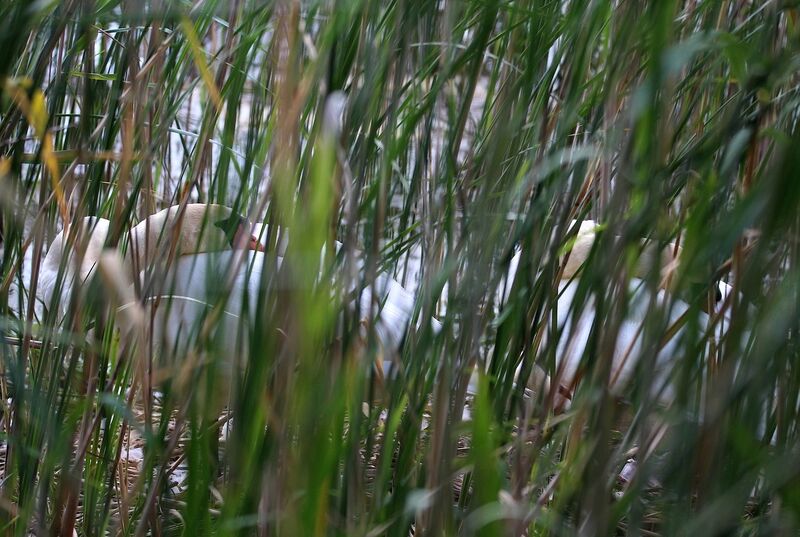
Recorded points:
(188, 261)
(575, 327)
(79, 258)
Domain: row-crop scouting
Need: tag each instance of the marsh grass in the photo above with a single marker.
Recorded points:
(472, 129)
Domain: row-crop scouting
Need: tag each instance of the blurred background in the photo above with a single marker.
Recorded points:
(452, 149)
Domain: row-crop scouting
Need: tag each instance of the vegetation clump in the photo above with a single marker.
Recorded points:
(496, 267)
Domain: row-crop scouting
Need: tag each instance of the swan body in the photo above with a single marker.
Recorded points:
(574, 327)
(78, 267)
(205, 271)
(193, 284)
(197, 233)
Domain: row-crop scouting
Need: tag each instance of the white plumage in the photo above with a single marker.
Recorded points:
(209, 272)
(205, 272)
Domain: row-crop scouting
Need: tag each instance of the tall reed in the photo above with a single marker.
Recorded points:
(472, 131)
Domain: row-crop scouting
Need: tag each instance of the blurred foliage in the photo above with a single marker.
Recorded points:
(472, 130)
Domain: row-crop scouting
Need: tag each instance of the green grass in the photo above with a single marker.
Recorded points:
(472, 128)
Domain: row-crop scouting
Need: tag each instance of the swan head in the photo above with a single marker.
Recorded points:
(195, 228)
(237, 232)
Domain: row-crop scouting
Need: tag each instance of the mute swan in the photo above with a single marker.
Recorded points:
(656, 358)
(574, 328)
(204, 228)
(202, 242)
